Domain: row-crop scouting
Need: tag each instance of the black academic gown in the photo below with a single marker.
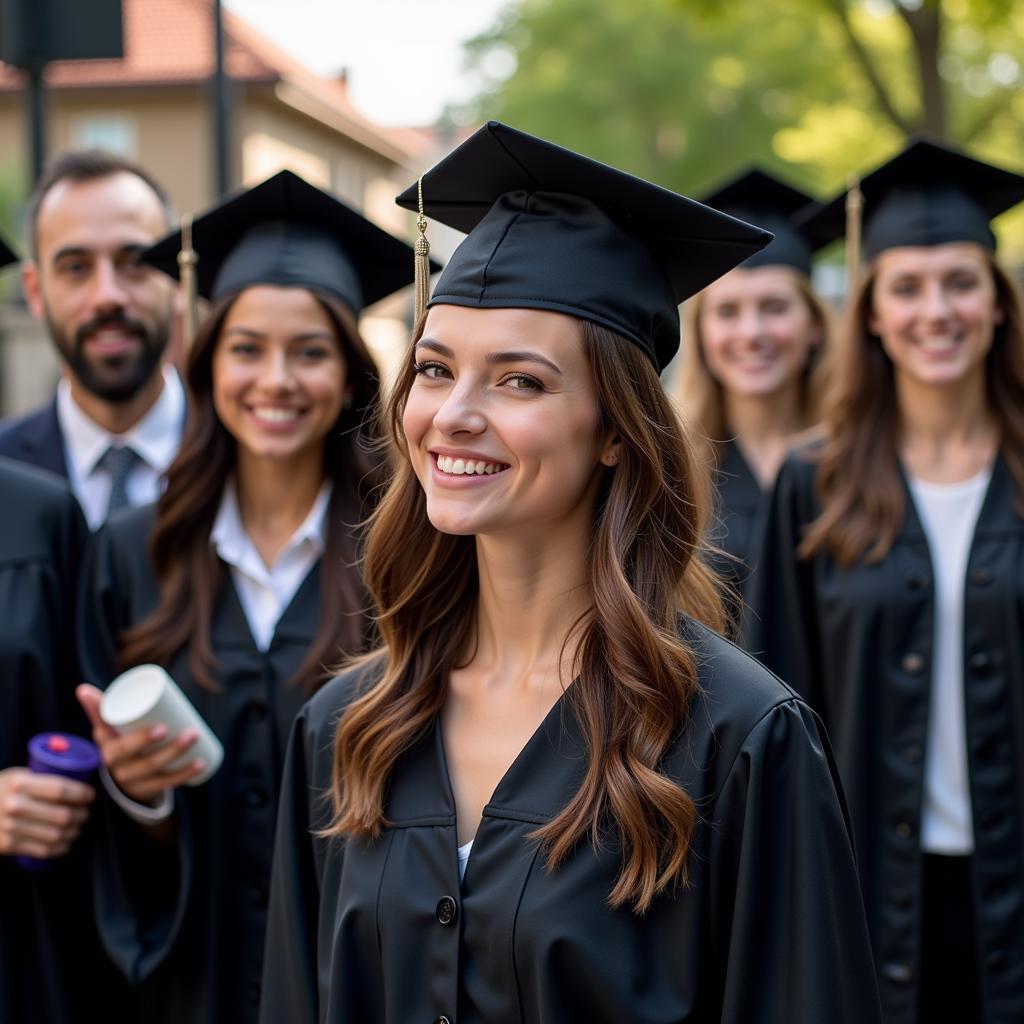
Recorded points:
(857, 643)
(51, 966)
(771, 929)
(186, 922)
(734, 531)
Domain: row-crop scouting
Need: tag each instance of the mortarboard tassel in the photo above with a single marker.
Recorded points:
(854, 212)
(421, 260)
(187, 260)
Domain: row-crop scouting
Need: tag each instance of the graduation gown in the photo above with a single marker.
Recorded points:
(771, 928)
(736, 525)
(185, 921)
(857, 643)
(51, 967)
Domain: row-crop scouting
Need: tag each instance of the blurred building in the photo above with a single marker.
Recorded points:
(154, 105)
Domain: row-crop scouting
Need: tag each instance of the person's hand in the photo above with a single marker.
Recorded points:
(138, 760)
(41, 815)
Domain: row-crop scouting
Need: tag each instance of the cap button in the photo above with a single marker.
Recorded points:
(58, 744)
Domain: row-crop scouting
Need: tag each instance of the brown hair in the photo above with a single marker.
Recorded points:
(700, 395)
(81, 165)
(636, 678)
(858, 479)
(189, 574)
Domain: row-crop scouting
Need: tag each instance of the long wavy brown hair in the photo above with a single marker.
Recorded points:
(858, 478)
(635, 678)
(189, 574)
(700, 395)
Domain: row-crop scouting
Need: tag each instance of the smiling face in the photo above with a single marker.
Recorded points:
(279, 377)
(502, 421)
(108, 314)
(935, 310)
(757, 330)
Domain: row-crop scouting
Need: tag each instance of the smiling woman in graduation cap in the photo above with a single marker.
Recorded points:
(242, 581)
(750, 379)
(891, 581)
(558, 794)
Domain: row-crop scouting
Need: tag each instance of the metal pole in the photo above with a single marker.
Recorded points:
(35, 118)
(221, 107)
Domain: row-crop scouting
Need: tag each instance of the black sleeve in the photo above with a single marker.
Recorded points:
(790, 902)
(780, 626)
(142, 885)
(290, 989)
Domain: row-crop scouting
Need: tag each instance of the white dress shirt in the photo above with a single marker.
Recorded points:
(265, 592)
(155, 439)
(949, 514)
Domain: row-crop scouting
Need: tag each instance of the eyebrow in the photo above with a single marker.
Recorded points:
(253, 332)
(83, 250)
(493, 357)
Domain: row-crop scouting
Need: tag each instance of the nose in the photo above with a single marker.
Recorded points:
(276, 371)
(460, 411)
(936, 301)
(109, 294)
(749, 325)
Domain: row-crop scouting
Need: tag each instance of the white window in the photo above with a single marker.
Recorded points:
(117, 133)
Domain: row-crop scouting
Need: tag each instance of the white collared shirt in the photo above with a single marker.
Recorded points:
(264, 592)
(155, 439)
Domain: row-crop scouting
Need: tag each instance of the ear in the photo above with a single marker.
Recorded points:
(612, 451)
(31, 286)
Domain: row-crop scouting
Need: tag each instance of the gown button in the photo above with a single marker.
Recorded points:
(904, 830)
(257, 796)
(981, 577)
(913, 663)
(447, 910)
(915, 580)
(980, 663)
(442, 1020)
(901, 974)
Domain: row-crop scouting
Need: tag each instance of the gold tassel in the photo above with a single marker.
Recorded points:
(421, 261)
(854, 214)
(187, 260)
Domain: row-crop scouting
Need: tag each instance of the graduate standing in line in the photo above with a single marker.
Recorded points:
(555, 797)
(751, 379)
(241, 581)
(51, 966)
(890, 586)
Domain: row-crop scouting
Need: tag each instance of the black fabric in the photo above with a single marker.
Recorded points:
(771, 928)
(186, 923)
(35, 438)
(51, 967)
(551, 229)
(928, 194)
(7, 254)
(949, 969)
(765, 200)
(738, 509)
(287, 232)
(857, 643)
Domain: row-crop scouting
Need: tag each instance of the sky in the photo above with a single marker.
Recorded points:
(404, 57)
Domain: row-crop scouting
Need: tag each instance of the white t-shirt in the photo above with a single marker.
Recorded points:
(464, 858)
(949, 514)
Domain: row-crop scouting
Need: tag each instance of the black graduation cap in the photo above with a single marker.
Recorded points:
(7, 254)
(550, 229)
(765, 200)
(285, 231)
(928, 194)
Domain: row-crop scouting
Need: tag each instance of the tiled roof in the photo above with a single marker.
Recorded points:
(170, 42)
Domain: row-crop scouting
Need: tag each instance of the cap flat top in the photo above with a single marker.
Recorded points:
(928, 194)
(552, 229)
(286, 231)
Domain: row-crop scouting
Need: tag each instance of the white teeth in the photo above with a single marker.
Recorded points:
(273, 414)
(466, 467)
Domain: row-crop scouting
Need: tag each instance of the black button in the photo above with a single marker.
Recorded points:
(985, 747)
(901, 974)
(900, 899)
(447, 910)
(991, 820)
(913, 663)
(904, 830)
(257, 796)
(915, 579)
(981, 577)
(980, 663)
(258, 709)
(913, 752)
(997, 961)
(442, 1020)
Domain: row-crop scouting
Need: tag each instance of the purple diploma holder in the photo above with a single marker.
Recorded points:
(58, 753)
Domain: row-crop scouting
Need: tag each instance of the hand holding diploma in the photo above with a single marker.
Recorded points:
(40, 815)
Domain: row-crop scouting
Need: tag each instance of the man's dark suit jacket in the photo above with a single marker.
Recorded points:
(36, 438)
